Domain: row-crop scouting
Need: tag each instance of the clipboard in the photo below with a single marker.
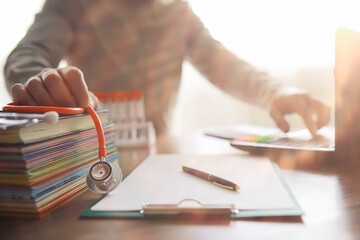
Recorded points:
(182, 208)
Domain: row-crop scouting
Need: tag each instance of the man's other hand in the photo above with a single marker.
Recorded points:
(314, 113)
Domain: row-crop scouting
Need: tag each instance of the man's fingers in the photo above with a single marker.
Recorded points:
(21, 96)
(310, 123)
(322, 113)
(94, 101)
(314, 113)
(55, 85)
(301, 105)
(37, 90)
(58, 87)
(74, 80)
(280, 120)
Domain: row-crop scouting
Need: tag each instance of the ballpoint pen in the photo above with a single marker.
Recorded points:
(211, 178)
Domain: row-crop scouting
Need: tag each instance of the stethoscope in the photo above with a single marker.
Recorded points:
(103, 177)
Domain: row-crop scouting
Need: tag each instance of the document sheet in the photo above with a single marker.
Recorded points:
(159, 179)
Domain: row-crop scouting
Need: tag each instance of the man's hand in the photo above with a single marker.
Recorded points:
(63, 87)
(291, 100)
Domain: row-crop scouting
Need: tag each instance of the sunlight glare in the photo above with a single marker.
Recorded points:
(278, 33)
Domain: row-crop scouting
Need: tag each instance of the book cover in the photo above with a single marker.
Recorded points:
(27, 132)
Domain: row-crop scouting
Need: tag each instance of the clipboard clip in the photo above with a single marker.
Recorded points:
(188, 206)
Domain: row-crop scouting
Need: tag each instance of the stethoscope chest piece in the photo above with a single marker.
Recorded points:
(103, 177)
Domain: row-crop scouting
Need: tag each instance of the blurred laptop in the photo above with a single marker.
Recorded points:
(347, 111)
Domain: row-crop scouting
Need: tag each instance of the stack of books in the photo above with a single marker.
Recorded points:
(44, 165)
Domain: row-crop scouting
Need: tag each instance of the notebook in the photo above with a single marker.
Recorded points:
(347, 111)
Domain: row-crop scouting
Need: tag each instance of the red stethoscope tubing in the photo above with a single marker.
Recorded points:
(14, 107)
(99, 131)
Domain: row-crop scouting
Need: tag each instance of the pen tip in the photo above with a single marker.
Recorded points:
(237, 187)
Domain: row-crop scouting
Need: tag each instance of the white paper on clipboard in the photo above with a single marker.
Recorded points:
(160, 180)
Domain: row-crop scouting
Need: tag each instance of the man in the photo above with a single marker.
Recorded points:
(125, 45)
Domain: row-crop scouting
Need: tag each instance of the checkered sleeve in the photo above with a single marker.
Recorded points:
(43, 45)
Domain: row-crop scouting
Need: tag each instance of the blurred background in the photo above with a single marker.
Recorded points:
(292, 40)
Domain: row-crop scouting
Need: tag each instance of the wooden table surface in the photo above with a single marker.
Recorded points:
(329, 196)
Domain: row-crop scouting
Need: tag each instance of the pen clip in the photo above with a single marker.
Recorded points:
(223, 186)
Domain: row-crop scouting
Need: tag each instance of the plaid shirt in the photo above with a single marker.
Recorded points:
(133, 45)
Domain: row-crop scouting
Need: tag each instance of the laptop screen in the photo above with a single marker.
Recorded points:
(347, 90)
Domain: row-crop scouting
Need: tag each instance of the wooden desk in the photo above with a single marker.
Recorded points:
(330, 199)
